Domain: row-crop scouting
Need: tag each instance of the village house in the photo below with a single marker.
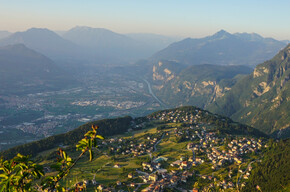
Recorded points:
(153, 177)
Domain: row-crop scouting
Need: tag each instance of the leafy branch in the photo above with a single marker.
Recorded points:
(21, 174)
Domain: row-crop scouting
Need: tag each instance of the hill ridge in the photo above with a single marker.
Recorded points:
(110, 127)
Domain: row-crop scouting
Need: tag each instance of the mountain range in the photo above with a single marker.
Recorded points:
(222, 48)
(98, 46)
(95, 46)
(45, 42)
(106, 46)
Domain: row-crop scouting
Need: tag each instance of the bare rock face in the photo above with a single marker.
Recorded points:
(258, 72)
(164, 71)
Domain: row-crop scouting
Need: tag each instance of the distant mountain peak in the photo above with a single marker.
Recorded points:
(39, 31)
(221, 34)
(89, 29)
(222, 31)
(35, 33)
(45, 42)
(85, 28)
(222, 48)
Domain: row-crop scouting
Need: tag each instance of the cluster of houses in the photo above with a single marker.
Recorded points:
(110, 103)
(166, 180)
(131, 146)
(160, 178)
(210, 144)
(234, 151)
(177, 116)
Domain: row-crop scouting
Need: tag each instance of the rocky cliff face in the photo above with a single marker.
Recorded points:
(210, 90)
(262, 98)
(165, 75)
(196, 85)
(164, 72)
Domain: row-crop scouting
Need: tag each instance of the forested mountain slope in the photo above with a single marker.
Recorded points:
(261, 99)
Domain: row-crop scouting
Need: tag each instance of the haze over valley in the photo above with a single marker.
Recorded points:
(60, 94)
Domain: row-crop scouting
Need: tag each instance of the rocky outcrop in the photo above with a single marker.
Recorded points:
(196, 85)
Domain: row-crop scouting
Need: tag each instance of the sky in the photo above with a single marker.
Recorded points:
(185, 18)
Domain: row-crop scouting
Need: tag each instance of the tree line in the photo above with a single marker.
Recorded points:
(107, 127)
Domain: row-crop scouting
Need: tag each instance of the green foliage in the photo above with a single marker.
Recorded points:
(179, 139)
(89, 142)
(18, 174)
(162, 127)
(22, 174)
(272, 174)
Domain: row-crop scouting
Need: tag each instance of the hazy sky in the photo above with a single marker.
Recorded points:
(188, 18)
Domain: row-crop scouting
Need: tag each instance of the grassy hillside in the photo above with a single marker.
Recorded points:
(166, 134)
(188, 145)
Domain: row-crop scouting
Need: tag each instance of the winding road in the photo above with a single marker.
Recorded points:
(153, 95)
(158, 142)
(246, 170)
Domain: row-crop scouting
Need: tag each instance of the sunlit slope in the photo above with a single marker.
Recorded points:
(261, 99)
